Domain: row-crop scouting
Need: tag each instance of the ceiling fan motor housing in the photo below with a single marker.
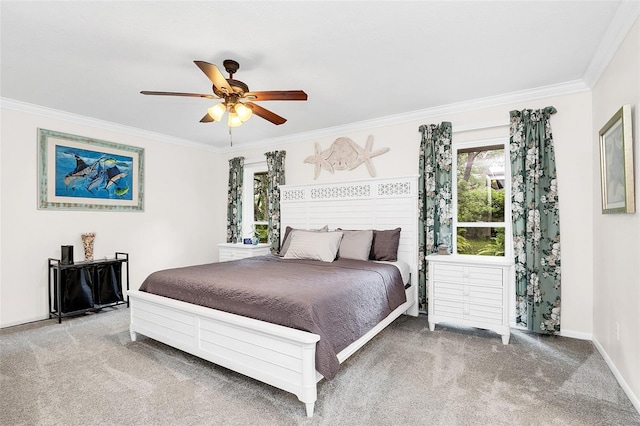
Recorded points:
(238, 87)
(231, 66)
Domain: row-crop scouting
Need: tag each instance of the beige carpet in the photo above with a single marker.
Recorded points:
(87, 371)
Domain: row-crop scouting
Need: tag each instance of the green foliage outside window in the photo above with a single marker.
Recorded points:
(496, 246)
(464, 245)
(481, 199)
(475, 205)
(260, 206)
(262, 232)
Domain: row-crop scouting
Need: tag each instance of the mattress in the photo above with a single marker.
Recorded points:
(402, 266)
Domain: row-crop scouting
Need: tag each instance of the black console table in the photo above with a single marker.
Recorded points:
(87, 286)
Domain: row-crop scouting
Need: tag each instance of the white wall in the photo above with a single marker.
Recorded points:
(571, 127)
(175, 229)
(616, 254)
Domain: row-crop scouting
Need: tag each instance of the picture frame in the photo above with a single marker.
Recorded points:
(616, 163)
(81, 173)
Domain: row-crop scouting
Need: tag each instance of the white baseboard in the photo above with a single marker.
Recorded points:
(576, 334)
(635, 399)
(23, 321)
(563, 332)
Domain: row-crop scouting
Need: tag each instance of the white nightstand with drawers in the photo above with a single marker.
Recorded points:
(231, 251)
(470, 290)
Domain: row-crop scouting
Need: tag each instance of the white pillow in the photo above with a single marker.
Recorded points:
(286, 240)
(314, 245)
(356, 244)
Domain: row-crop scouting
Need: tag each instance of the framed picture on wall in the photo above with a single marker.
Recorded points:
(79, 173)
(616, 163)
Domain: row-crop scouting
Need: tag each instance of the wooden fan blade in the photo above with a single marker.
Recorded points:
(207, 118)
(266, 114)
(193, 95)
(277, 95)
(215, 76)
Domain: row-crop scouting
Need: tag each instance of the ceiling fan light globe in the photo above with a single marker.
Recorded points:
(217, 111)
(234, 120)
(243, 111)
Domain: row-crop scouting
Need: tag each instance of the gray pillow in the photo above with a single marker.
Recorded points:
(321, 246)
(385, 245)
(286, 241)
(355, 244)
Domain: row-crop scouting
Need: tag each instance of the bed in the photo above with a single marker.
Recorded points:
(280, 355)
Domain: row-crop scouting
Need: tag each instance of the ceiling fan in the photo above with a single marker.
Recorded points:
(236, 97)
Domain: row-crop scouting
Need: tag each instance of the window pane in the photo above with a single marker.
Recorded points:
(260, 206)
(481, 185)
(262, 232)
(481, 241)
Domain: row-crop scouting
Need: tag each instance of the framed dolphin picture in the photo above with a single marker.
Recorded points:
(79, 173)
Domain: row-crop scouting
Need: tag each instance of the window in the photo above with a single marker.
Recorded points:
(480, 220)
(260, 206)
(254, 202)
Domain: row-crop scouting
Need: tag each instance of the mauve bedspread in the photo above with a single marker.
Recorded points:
(340, 301)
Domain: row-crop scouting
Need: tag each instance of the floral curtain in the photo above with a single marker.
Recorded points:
(434, 198)
(234, 200)
(536, 222)
(275, 178)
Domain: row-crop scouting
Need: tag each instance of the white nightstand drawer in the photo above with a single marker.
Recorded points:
(448, 290)
(485, 314)
(468, 274)
(452, 310)
(484, 295)
(448, 308)
(230, 251)
(468, 293)
(485, 276)
(453, 273)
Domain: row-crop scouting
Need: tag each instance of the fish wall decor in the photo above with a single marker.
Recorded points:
(344, 154)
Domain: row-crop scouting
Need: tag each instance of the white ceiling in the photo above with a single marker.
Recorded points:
(356, 60)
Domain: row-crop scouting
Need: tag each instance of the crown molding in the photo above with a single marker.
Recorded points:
(559, 89)
(624, 18)
(20, 106)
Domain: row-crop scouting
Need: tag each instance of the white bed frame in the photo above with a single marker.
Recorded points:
(280, 356)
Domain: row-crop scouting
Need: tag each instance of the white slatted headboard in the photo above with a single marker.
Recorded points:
(384, 203)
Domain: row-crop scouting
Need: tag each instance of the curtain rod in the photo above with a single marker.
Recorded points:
(482, 126)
